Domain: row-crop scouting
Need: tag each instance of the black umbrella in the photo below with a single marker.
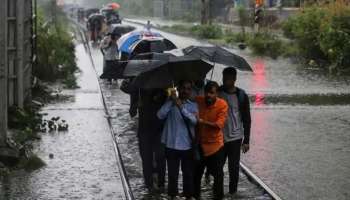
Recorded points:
(114, 71)
(152, 56)
(121, 29)
(157, 45)
(138, 64)
(163, 74)
(219, 55)
(96, 16)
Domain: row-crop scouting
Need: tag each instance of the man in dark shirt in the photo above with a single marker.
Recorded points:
(147, 103)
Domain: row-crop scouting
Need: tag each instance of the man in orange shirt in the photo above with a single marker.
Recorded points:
(211, 120)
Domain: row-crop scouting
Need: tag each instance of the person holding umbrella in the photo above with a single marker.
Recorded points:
(237, 127)
(150, 74)
(147, 102)
(110, 51)
(179, 114)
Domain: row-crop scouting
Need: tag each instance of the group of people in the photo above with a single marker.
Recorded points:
(176, 125)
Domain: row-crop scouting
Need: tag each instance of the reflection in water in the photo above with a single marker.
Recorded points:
(260, 120)
(259, 81)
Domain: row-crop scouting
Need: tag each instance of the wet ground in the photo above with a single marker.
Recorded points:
(300, 132)
(300, 136)
(83, 164)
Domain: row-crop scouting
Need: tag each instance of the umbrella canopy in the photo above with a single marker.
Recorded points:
(157, 45)
(113, 5)
(153, 56)
(90, 11)
(217, 54)
(129, 39)
(163, 74)
(138, 64)
(96, 16)
(121, 29)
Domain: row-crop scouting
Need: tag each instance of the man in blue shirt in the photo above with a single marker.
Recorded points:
(180, 120)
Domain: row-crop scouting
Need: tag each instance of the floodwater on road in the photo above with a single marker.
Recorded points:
(83, 164)
(300, 142)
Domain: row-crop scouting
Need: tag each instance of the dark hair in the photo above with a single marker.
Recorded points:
(210, 85)
(183, 82)
(230, 71)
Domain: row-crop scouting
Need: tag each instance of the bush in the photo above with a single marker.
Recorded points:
(55, 50)
(322, 33)
(26, 121)
(231, 37)
(335, 40)
(266, 44)
(207, 31)
(305, 28)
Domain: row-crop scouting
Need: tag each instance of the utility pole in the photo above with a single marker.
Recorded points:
(3, 74)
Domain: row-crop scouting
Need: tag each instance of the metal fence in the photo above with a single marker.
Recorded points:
(16, 38)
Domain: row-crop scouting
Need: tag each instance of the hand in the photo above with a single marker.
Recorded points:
(178, 102)
(199, 120)
(245, 148)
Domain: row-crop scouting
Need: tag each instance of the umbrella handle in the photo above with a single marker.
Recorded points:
(212, 72)
(103, 53)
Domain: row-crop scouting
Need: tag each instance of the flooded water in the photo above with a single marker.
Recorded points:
(83, 164)
(300, 131)
(300, 136)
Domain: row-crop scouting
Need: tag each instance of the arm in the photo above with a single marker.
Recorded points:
(220, 120)
(134, 98)
(105, 43)
(246, 119)
(165, 109)
(190, 114)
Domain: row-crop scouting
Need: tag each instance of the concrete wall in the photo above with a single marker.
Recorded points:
(16, 56)
(3, 75)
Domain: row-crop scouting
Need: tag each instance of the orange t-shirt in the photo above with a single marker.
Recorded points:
(210, 138)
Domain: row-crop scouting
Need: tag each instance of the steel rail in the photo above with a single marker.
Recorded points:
(259, 182)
